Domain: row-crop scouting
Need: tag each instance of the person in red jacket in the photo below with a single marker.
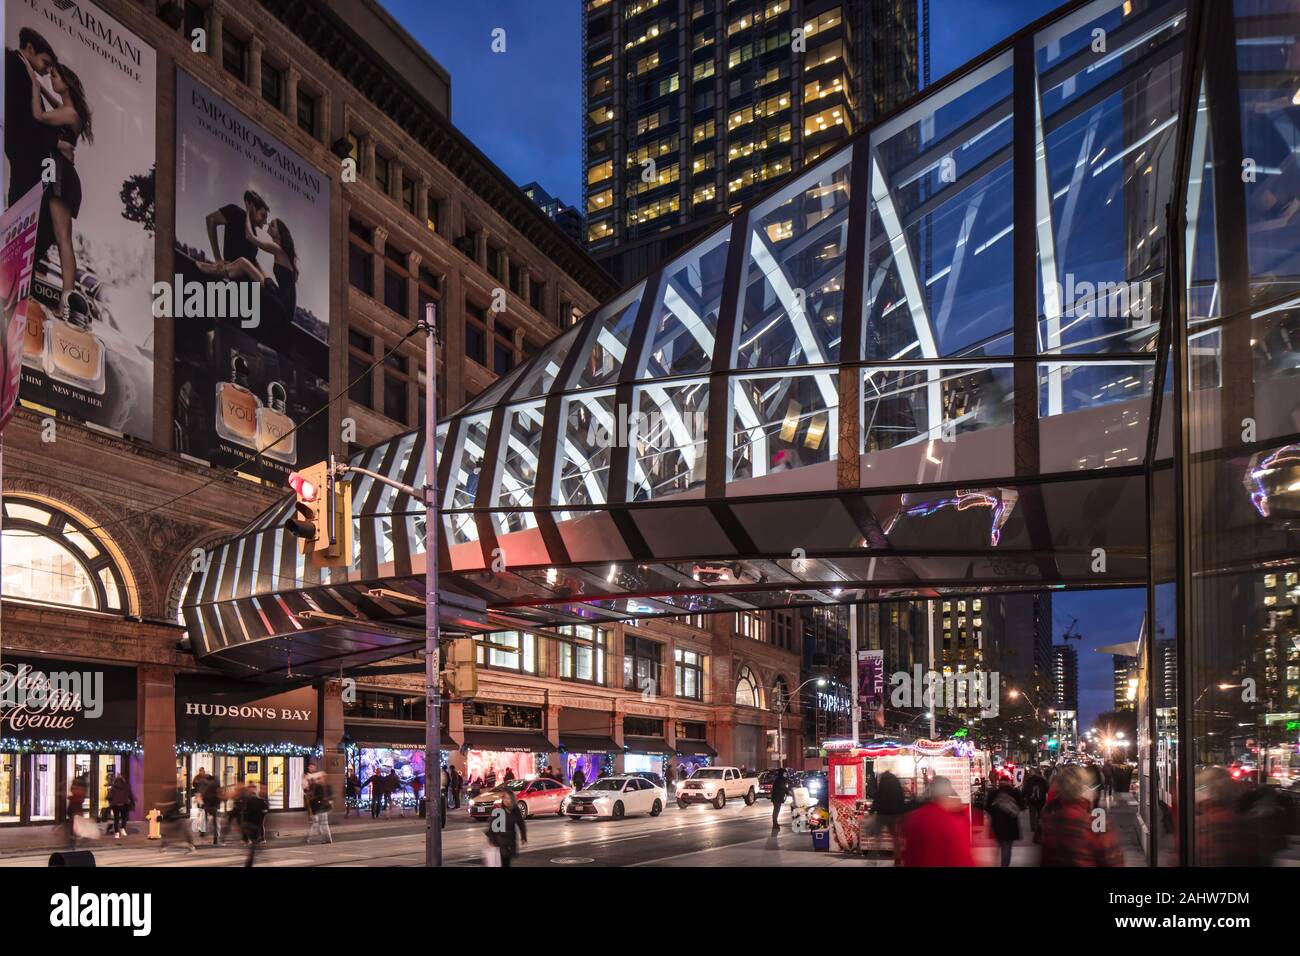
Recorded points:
(1072, 834)
(937, 833)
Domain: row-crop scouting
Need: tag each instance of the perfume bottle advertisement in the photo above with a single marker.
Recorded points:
(17, 250)
(80, 97)
(238, 405)
(252, 299)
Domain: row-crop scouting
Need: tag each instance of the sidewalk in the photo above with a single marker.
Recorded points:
(286, 826)
(795, 849)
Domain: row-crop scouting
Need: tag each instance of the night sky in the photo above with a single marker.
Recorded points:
(523, 109)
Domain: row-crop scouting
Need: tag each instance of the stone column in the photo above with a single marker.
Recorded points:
(553, 735)
(422, 200)
(381, 240)
(619, 712)
(291, 78)
(255, 47)
(329, 700)
(216, 28)
(153, 775)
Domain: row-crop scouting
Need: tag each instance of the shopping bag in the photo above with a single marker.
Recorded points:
(491, 855)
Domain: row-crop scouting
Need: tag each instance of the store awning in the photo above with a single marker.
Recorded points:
(695, 748)
(396, 736)
(527, 741)
(647, 745)
(588, 744)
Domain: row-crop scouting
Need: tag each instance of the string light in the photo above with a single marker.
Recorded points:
(11, 745)
(249, 749)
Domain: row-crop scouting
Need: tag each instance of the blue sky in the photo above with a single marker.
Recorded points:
(522, 107)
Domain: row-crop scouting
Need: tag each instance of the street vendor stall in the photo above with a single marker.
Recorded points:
(854, 768)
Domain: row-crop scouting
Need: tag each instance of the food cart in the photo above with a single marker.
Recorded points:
(853, 766)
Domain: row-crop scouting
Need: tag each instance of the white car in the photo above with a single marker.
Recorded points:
(616, 797)
(716, 785)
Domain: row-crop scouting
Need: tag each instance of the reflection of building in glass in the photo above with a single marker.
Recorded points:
(1124, 670)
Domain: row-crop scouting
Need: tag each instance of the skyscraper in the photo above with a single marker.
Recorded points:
(691, 107)
(1065, 677)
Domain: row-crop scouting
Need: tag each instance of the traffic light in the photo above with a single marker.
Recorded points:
(322, 518)
(309, 488)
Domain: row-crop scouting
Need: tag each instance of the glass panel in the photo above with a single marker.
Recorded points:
(275, 782)
(39, 568)
(783, 422)
(669, 430)
(540, 375)
(522, 440)
(1104, 175)
(11, 786)
(1268, 58)
(590, 432)
(907, 404)
(794, 284)
(465, 476)
(44, 793)
(614, 325)
(939, 259)
(686, 316)
(1101, 421)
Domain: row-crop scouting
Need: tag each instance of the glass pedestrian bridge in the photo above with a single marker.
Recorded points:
(930, 362)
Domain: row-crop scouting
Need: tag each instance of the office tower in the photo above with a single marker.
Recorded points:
(1065, 677)
(568, 218)
(693, 107)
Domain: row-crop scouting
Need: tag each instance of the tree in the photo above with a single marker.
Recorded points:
(138, 199)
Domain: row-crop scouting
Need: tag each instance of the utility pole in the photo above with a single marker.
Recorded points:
(432, 669)
(432, 675)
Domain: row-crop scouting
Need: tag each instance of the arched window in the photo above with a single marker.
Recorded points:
(747, 692)
(52, 558)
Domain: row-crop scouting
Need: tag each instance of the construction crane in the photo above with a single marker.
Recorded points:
(1070, 633)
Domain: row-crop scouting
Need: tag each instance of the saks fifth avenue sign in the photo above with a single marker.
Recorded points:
(247, 712)
(34, 700)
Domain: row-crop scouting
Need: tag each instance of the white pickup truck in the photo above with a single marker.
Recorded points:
(716, 785)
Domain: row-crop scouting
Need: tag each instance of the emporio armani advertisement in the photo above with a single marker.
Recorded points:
(253, 221)
(79, 117)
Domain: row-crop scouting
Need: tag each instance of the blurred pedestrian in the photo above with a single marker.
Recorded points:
(937, 833)
(212, 806)
(75, 807)
(457, 781)
(779, 787)
(351, 793)
(319, 804)
(1069, 838)
(887, 811)
(1034, 794)
(252, 816)
(1004, 818)
(120, 802)
(506, 828)
(579, 779)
